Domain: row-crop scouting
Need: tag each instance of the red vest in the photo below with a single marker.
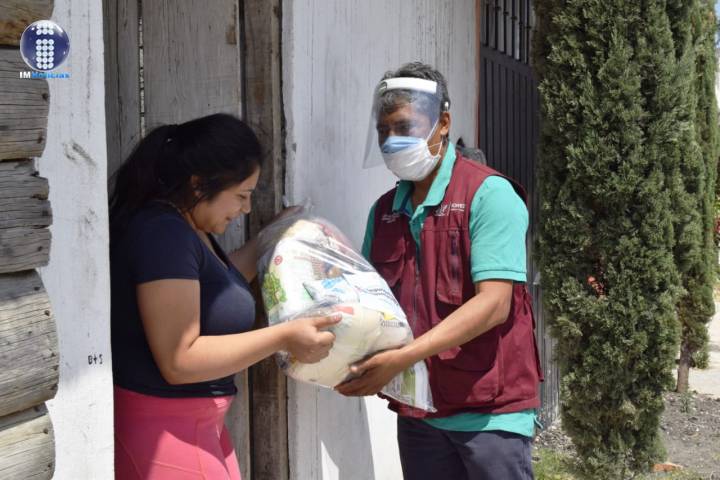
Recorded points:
(496, 372)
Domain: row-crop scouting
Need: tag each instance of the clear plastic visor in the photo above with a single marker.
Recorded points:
(399, 112)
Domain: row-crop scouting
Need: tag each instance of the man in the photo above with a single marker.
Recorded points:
(450, 241)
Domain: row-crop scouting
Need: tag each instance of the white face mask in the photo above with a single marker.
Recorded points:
(409, 158)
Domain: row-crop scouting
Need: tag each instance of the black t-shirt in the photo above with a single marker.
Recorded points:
(159, 244)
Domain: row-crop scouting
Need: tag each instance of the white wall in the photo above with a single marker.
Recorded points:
(77, 278)
(334, 53)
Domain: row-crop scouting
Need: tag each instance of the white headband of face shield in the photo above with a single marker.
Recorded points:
(409, 83)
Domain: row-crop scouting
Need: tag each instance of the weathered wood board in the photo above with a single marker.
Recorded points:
(25, 214)
(23, 196)
(16, 15)
(24, 105)
(27, 445)
(263, 111)
(23, 249)
(28, 343)
(122, 79)
(179, 83)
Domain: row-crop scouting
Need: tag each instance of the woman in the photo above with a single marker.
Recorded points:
(181, 308)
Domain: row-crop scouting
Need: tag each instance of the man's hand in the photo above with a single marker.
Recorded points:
(374, 373)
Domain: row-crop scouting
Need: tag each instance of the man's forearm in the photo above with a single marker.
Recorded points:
(478, 315)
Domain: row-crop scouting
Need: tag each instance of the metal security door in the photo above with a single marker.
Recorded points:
(508, 133)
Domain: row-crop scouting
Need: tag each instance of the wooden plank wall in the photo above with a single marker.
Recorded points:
(15, 15)
(28, 340)
(168, 62)
(122, 79)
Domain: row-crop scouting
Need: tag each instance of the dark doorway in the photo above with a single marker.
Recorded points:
(508, 132)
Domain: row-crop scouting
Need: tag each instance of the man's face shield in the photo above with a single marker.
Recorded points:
(402, 107)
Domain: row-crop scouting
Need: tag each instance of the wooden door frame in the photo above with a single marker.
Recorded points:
(261, 21)
(256, 31)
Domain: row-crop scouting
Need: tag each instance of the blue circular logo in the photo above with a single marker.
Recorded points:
(44, 45)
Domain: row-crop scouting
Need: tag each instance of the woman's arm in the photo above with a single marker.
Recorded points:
(170, 312)
(245, 259)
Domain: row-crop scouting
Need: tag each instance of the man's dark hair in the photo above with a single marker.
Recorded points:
(392, 99)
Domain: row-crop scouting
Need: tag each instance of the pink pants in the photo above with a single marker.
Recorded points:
(172, 438)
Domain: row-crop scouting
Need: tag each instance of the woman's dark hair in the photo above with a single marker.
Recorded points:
(220, 150)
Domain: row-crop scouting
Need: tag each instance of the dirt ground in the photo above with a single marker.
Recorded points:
(690, 424)
(691, 431)
(707, 381)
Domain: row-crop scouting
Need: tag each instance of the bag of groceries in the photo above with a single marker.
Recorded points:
(308, 268)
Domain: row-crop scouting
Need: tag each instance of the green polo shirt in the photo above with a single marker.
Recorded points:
(498, 224)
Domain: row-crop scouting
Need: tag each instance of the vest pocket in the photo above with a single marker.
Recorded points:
(388, 257)
(471, 373)
(450, 269)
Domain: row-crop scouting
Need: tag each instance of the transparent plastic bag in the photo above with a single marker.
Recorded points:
(307, 267)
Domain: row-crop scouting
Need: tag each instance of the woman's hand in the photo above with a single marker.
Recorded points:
(308, 339)
(170, 312)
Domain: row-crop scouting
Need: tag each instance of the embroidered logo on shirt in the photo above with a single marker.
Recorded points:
(446, 208)
(389, 217)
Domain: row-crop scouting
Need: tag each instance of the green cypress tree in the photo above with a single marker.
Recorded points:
(690, 175)
(699, 262)
(608, 170)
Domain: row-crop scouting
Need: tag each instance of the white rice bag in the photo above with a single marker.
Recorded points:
(307, 268)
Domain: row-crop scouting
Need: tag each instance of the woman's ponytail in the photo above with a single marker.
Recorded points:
(137, 180)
